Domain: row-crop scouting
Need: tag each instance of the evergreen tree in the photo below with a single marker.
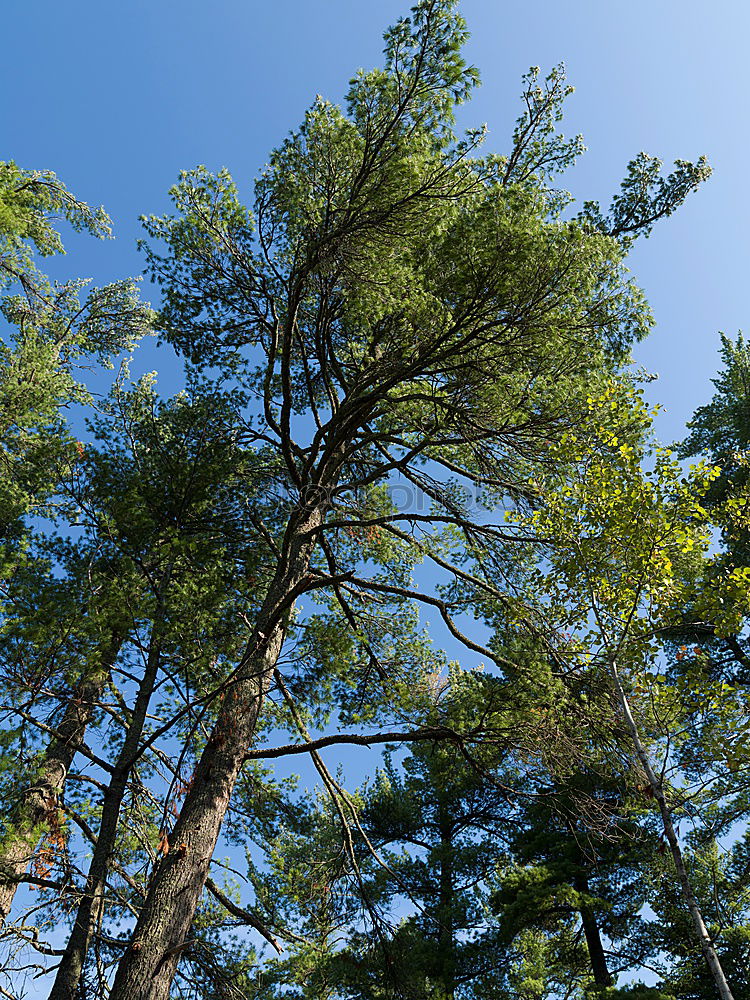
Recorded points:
(578, 855)
(48, 332)
(395, 303)
(397, 309)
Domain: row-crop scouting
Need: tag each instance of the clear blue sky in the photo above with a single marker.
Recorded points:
(118, 97)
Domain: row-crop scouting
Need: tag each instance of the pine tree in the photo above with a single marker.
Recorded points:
(48, 332)
(395, 303)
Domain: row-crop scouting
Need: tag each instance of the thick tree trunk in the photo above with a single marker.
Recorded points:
(161, 934)
(701, 931)
(70, 970)
(38, 803)
(593, 937)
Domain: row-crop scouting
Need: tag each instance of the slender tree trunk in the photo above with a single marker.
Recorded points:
(594, 944)
(161, 933)
(70, 970)
(701, 931)
(446, 941)
(32, 812)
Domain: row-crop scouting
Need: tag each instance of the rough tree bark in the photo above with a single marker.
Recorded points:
(70, 970)
(161, 934)
(35, 805)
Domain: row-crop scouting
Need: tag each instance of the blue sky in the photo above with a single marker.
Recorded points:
(118, 97)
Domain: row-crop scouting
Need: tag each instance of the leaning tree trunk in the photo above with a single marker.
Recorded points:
(701, 931)
(161, 933)
(70, 970)
(37, 805)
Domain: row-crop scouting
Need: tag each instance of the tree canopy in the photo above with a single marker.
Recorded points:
(409, 497)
